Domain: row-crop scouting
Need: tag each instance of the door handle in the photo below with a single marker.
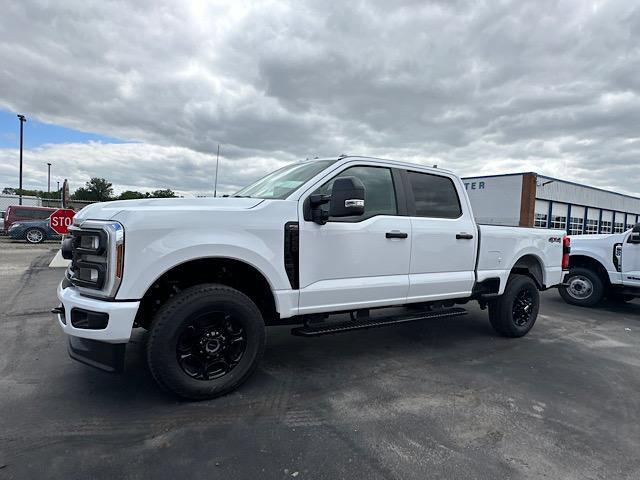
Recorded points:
(396, 235)
(463, 236)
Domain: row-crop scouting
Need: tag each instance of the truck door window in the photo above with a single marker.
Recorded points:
(380, 195)
(435, 196)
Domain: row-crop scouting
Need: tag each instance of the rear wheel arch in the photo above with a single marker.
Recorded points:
(531, 266)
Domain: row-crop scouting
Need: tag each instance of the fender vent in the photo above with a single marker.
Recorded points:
(291, 256)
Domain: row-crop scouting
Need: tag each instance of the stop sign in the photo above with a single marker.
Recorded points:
(61, 219)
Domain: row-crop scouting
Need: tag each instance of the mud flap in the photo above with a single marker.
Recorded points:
(108, 357)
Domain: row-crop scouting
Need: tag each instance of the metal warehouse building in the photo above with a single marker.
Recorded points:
(533, 200)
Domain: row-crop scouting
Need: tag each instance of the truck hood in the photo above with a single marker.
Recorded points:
(108, 210)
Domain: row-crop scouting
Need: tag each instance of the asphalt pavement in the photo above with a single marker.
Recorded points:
(436, 399)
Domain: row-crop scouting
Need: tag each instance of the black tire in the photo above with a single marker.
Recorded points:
(583, 287)
(35, 236)
(177, 364)
(515, 312)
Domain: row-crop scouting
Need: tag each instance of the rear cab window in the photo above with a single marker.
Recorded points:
(434, 196)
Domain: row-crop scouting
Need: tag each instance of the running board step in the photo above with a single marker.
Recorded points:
(328, 328)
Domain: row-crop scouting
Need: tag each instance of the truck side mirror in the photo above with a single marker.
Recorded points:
(347, 197)
(346, 200)
(635, 234)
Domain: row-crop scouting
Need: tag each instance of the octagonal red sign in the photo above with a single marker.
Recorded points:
(61, 219)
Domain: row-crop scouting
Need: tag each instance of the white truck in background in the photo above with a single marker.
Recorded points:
(302, 246)
(604, 265)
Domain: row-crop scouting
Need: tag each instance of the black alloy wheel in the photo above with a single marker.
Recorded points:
(210, 346)
(523, 307)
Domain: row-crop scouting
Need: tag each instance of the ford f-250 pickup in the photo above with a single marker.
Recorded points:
(312, 240)
(603, 265)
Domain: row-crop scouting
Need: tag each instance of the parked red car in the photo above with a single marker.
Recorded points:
(15, 213)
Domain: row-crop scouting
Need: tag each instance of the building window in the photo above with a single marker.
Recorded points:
(605, 226)
(591, 226)
(540, 220)
(575, 226)
(558, 222)
(618, 227)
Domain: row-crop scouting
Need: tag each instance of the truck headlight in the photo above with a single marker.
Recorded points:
(97, 257)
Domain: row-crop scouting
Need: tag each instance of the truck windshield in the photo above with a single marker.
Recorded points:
(282, 182)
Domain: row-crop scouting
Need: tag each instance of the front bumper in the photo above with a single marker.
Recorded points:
(121, 316)
(102, 348)
(16, 233)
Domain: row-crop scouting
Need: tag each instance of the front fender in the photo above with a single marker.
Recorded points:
(144, 266)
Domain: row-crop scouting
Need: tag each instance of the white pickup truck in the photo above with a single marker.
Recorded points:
(603, 265)
(308, 243)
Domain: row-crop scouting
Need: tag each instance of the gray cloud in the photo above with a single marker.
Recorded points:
(478, 87)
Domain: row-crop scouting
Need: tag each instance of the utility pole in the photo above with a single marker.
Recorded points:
(215, 185)
(48, 177)
(22, 120)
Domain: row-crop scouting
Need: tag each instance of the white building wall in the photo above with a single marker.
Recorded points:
(495, 200)
(559, 191)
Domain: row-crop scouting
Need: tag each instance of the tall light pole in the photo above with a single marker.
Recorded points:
(215, 185)
(22, 119)
(48, 177)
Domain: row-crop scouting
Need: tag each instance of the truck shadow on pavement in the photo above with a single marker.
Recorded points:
(312, 366)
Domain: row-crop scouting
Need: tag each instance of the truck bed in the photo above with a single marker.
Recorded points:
(501, 247)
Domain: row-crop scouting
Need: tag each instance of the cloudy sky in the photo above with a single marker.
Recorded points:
(141, 93)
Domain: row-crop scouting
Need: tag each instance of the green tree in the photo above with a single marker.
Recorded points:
(50, 195)
(24, 191)
(131, 195)
(167, 193)
(97, 189)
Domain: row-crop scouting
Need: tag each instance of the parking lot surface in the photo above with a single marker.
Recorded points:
(437, 399)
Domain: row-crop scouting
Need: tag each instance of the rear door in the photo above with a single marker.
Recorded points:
(444, 237)
(357, 262)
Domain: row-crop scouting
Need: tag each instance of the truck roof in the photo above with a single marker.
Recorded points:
(388, 160)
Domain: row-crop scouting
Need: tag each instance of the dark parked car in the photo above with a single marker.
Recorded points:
(17, 213)
(33, 231)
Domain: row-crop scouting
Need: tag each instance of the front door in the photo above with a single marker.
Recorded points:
(357, 262)
(630, 263)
